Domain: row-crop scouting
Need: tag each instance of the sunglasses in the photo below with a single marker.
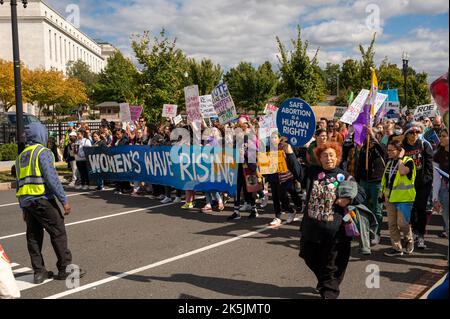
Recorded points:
(414, 132)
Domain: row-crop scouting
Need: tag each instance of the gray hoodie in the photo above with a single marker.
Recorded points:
(36, 133)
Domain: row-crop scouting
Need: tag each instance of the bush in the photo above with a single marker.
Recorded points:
(8, 152)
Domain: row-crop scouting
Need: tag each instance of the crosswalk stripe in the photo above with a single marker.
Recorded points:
(27, 282)
(21, 270)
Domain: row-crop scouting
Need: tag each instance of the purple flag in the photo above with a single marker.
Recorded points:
(358, 125)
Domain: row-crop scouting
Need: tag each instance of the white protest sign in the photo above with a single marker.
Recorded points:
(223, 104)
(270, 109)
(178, 119)
(427, 110)
(169, 110)
(267, 125)
(125, 114)
(192, 103)
(207, 106)
(355, 108)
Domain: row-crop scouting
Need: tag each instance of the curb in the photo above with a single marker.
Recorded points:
(430, 277)
(12, 185)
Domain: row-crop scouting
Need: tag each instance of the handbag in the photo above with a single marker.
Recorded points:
(8, 286)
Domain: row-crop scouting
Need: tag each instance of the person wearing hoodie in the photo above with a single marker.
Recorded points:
(38, 187)
(422, 154)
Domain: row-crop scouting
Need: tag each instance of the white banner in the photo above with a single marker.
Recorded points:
(169, 110)
(177, 119)
(125, 114)
(207, 106)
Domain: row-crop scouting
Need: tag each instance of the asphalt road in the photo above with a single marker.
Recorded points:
(135, 248)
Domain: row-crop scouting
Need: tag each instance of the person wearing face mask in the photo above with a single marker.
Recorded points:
(422, 154)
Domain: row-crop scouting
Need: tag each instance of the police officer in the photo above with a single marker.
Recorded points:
(37, 186)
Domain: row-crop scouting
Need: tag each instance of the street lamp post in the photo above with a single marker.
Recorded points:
(20, 135)
(405, 58)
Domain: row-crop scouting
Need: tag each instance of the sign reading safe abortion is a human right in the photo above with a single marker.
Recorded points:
(296, 121)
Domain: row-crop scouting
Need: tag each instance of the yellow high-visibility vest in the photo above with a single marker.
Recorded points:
(403, 190)
(28, 172)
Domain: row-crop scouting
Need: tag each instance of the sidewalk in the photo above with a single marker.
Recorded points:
(5, 166)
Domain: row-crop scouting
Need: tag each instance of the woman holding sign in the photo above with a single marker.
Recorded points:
(324, 243)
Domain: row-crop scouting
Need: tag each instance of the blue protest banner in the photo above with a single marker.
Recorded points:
(186, 168)
(296, 121)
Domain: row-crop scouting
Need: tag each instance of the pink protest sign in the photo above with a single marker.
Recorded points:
(135, 112)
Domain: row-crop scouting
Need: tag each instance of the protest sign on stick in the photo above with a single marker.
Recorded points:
(169, 110)
(125, 115)
(223, 104)
(207, 107)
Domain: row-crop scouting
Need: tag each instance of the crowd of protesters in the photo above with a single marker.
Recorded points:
(392, 174)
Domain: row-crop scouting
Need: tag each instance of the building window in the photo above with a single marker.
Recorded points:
(56, 49)
(50, 43)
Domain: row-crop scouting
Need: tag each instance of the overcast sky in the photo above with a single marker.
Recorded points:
(244, 30)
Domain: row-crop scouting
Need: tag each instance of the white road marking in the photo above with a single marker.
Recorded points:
(27, 282)
(21, 270)
(70, 195)
(98, 218)
(160, 263)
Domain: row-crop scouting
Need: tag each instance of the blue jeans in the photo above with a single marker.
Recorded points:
(372, 190)
(210, 196)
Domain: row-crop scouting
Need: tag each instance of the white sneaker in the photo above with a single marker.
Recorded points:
(166, 200)
(291, 218)
(71, 184)
(409, 247)
(376, 240)
(85, 187)
(177, 200)
(246, 207)
(264, 201)
(78, 187)
(421, 243)
(161, 197)
(275, 222)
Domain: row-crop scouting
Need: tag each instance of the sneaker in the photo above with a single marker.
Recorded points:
(235, 216)
(177, 200)
(78, 186)
(161, 197)
(246, 207)
(253, 214)
(375, 240)
(409, 247)
(275, 222)
(71, 184)
(421, 243)
(99, 188)
(63, 275)
(291, 218)
(443, 235)
(264, 201)
(415, 237)
(166, 200)
(85, 187)
(187, 206)
(393, 252)
(40, 277)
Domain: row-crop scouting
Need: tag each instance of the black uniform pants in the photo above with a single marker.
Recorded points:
(419, 211)
(328, 261)
(44, 214)
(280, 197)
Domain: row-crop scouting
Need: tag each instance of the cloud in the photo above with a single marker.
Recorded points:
(232, 31)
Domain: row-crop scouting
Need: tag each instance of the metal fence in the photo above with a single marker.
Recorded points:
(8, 131)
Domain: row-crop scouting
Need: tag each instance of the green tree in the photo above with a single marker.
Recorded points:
(117, 82)
(417, 89)
(349, 78)
(163, 73)
(81, 71)
(367, 63)
(251, 88)
(389, 75)
(300, 76)
(205, 74)
(332, 73)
